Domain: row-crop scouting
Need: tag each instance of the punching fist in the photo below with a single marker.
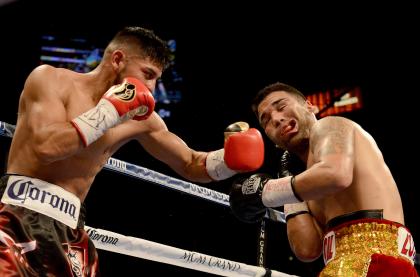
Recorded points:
(243, 151)
(246, 198)
(130, 99)
(244, 147)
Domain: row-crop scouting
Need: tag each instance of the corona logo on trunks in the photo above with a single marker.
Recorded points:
(125, 92)
(43, 197)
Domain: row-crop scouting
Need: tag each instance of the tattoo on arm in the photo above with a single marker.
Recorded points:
(334, 136)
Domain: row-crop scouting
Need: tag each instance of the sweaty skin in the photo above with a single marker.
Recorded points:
(372, 185)
(48, 147)
(345, 172)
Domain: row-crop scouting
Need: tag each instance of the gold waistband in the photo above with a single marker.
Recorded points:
(353, 246)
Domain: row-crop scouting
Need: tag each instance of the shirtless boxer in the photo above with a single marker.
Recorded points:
(68, 125)
(345, 204)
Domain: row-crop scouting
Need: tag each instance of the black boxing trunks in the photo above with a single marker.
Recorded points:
(364, 244)
(41, 230)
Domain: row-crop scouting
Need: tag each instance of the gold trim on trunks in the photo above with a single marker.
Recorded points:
(348, 250)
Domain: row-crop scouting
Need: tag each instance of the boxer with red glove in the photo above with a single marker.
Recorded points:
(243, 151)
(130, 99)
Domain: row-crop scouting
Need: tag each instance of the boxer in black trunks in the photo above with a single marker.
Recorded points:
(33, 244)
(68, 125)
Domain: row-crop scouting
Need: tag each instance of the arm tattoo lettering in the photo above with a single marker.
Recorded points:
(333, 137)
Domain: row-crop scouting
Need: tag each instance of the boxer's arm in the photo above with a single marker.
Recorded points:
(43, 110)
(200, 166)
(130, 99)
(332, 147)
(172, 150)
(305, 237)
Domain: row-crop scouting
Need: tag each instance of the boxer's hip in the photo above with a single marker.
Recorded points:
(351, 241)
(42, 197)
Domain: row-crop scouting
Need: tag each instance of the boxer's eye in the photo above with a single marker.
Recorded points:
(264, 121)
(280, 107)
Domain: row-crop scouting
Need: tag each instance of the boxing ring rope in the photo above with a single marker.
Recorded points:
(149, 250)
(149, 175)
(140, 248)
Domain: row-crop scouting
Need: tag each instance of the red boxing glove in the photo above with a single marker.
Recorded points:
(131, 99)
(244, 151)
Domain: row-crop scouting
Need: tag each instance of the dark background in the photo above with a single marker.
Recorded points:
(225, 55)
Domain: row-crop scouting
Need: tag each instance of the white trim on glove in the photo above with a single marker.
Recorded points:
(216, 166)
(278, 192)
(92, 124)
(291, 210)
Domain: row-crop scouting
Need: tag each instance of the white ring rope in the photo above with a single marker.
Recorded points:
(180, 185)
(6, 129)
(166, 181)
(153, 251)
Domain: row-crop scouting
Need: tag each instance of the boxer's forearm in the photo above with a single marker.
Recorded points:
(304, 238)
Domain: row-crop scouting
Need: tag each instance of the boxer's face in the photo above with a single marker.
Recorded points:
(142, 69)
(285, 119)
(126, 63)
